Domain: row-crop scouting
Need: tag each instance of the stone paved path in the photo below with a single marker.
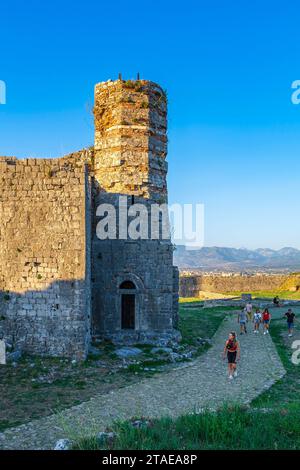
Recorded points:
(203, 383)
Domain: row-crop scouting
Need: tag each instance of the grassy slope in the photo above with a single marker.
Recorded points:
(230, 428)
(287, 390)
(196, 322)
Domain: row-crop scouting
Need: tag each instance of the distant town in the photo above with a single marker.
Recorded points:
(232, 261)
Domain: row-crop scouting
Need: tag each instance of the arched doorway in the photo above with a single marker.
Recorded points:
(128, 294)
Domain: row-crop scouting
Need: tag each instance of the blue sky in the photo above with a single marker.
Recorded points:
(228, 68)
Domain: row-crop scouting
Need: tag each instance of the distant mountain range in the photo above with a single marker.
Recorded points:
(234, 259)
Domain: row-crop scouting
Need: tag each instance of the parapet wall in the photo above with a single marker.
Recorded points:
(44, 250)
(191, 285)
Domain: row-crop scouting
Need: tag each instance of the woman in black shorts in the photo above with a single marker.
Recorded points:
(233, 352)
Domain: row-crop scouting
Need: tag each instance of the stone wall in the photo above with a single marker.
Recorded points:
(129, 161)
(130, 138)
(44, 270)
(147, 265)
(191, 285)
(57, 279)
(175, 296)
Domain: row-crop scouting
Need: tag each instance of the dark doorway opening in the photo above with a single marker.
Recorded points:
(128, 311)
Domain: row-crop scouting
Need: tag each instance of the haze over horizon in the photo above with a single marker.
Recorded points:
(234, 259)
(244, 247)
(233, 130)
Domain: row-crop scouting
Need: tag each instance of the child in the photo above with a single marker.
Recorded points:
(232, 349)
(257, 321)
(266, 317)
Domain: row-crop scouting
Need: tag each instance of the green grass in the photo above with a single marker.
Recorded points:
(231, 428)
(287, 390)
(199, 322)
(283, 295)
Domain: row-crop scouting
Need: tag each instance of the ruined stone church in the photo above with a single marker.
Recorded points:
(60, 284)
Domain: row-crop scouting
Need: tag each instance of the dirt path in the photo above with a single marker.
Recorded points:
(203, 383)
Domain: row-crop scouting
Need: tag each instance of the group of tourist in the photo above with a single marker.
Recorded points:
(232, 348)
(246, 315)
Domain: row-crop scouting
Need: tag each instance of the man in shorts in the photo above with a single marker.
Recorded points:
(290, 316)
(249, 310)
(242, 319)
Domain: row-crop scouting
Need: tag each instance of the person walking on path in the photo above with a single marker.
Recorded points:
(233, 352)
(249, 309)
(242, 319)
(290, 316)
(266, 318)
(257, 320)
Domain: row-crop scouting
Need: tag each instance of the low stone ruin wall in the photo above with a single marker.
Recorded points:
(191, 285)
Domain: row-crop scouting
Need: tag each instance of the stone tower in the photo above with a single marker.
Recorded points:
(130, 138)
(135, 286)
(60, 283)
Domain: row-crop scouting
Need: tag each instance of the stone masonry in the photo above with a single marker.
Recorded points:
(130, 153)
(191, 285)
(59, 283)
(44, 270)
